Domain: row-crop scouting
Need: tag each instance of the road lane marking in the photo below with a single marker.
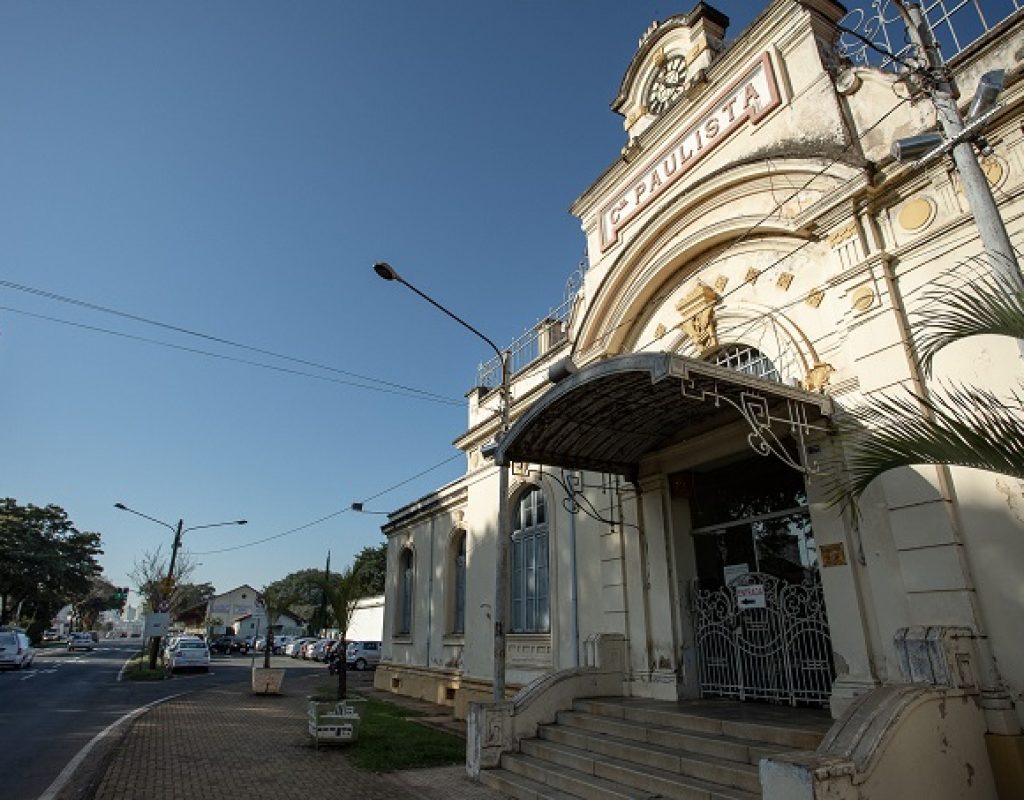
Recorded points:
(68, 772)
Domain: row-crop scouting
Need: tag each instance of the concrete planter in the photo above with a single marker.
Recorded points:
(267, 680)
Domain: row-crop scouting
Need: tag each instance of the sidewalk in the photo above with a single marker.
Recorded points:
(228, 743)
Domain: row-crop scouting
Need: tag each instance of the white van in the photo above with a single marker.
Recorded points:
(15, 649)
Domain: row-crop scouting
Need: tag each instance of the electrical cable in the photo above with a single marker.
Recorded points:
(386, 388)
(198, 334)
(332, 515)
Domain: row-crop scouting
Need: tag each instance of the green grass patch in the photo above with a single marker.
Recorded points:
(388, 739)
(138, 670)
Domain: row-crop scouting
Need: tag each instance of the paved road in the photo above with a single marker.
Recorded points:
(49, 711)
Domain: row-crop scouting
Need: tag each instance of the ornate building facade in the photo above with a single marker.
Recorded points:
(758, 265)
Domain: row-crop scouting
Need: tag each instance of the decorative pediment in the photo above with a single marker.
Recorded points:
(670, 63)
(698, 311)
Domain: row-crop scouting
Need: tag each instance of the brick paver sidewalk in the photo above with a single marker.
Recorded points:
(227, 743)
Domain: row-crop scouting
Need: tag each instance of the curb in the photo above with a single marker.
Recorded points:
(106, 741)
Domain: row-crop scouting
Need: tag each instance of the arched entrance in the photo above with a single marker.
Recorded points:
(759, 620)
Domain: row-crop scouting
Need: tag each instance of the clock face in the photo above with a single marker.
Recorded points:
(666, 85)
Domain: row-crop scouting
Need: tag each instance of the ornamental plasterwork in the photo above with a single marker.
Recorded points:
(817, 377)
(720, 283)
(916, 214)
(752, 276)
(841, 235)
(784, 281)
(815, 298)
(698, 311)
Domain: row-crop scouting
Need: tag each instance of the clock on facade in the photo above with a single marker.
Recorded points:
(666, 84)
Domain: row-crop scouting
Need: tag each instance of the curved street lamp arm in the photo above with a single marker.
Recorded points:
(123, 507)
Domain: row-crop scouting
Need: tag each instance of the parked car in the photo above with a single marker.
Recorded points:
(51, 635)
(80, 640)
(259, 643)
(229, 644)
(362, 655)
(321, 649)
(16, 650)
(294, 647)
(189, 654)
(280, 643)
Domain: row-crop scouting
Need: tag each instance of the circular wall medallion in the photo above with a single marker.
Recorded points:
(916, 214)
(995, 170)
(862, 298)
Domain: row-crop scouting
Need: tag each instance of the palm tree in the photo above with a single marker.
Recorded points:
(275, 603)
(342, 592)
(954, 424)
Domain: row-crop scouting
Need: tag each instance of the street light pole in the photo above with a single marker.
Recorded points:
(501, 561)
(179, 530)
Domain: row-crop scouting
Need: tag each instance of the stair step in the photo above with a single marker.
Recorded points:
(521, 787)
(793, 736)
(575, 784)
(731, 772)
(708, 744)
(613, 779)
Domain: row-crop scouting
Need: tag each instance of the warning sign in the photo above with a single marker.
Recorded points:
(750, 596)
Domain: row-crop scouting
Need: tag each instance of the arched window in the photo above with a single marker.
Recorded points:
(459, 582)
(745, 359)
(405, 577)
(530, 610)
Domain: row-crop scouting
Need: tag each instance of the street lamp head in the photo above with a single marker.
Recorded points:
(121, 506)
(386, 271)
(990, 86)
(241, 522)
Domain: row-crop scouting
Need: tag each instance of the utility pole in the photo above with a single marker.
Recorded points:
(996, 703)
(323, 595)
(991, 228)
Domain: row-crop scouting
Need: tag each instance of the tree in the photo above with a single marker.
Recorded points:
(276, 601)
(953, 425)
(373, 570)
(159, 590)
(299, 586)
(342, 592)
(102, 596)
(45, 562)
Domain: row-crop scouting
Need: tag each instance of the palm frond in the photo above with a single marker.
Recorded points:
(988, 305)
(961, 425)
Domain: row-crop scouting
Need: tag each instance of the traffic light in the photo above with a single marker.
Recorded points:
(121, 594)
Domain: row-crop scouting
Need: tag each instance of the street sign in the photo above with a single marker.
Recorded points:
(156, 625)
(751, 596)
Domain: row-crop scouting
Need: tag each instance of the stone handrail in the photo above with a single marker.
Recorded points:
(903, 741)
(498, 727)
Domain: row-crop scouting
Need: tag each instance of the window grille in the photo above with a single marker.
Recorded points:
(530, 608)
(459, 609)
(747, 360)
(405, 619)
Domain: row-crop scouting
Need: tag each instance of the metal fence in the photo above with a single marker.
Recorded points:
(876, 35)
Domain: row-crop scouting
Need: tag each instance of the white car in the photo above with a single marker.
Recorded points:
(15, 649)
(294, 647)
(80, 640)
(189, 654)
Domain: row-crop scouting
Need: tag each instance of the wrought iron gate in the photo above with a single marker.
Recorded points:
(763, 638)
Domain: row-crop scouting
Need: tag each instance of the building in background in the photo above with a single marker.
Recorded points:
(758, 265)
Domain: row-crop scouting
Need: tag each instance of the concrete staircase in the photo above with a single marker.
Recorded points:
(613, 749)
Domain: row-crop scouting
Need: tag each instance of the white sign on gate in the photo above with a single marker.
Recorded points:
(750, 596)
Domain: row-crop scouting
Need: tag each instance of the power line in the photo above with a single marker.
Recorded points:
(332, 515)
(395, 389)
(209, 337)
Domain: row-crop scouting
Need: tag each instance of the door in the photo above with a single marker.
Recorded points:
(759, 612)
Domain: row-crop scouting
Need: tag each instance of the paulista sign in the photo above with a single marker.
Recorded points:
(747, 99)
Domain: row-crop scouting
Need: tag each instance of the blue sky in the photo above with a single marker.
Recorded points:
(234, 169)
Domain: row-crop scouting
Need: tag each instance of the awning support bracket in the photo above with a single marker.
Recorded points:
(755, 409)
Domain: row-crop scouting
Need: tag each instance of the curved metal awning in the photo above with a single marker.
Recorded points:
(611, 414)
